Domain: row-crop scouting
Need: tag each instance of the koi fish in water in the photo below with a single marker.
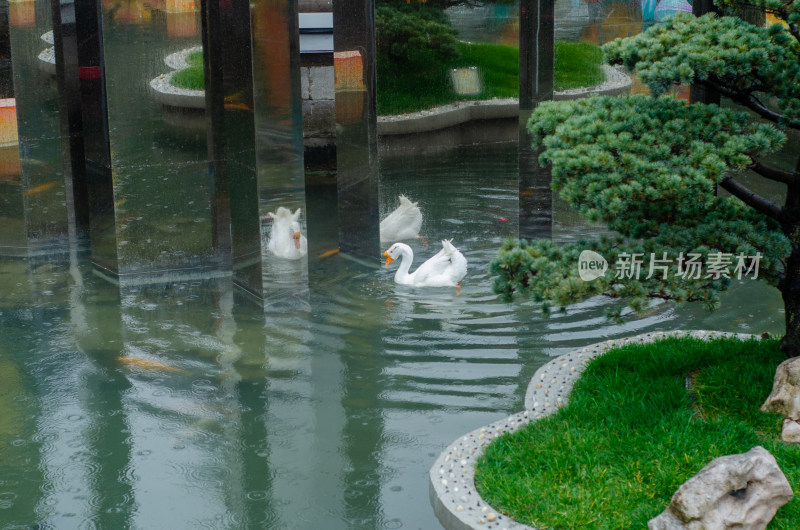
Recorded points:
(149, 365)
(234, 102)
(41, 188)
(328, 253)
(236, 106)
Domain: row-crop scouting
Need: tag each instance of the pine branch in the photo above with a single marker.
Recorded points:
(794, 31)
(771, 173)
(752, 199)
(750, 102)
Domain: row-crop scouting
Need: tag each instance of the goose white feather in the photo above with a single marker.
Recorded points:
(445, 269)
(403, 223)
(285, 238)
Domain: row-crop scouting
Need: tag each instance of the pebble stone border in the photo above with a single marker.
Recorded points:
(47, 57)
(455, 500)
(166, 94)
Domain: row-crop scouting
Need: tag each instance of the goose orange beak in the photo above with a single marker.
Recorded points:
(389, 259)
(296, 237)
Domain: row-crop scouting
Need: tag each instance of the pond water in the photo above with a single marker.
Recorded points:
(186, 406)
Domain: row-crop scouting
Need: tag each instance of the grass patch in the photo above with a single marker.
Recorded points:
(632, 434)
(191, 78)
(578, 64)
(403, 88)
(406, 88)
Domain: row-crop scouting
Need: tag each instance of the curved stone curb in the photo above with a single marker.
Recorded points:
(177, 60)
(455, 500)
(447, 116)
(617, 82)
(166, 94)
(47, 60)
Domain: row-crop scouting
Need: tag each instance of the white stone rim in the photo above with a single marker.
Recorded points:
(453, 494)
(177, 60)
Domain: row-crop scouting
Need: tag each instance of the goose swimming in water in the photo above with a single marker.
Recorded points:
(445, 269)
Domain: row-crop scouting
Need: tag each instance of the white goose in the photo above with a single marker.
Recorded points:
(285, 239)
(445, 269)
(403, 223)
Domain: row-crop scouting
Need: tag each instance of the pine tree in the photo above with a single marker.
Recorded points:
(652, 168)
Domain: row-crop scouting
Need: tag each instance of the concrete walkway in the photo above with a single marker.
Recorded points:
(455, 500)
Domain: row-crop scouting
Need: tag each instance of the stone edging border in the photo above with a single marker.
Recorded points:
(47, 57)
(455, 500)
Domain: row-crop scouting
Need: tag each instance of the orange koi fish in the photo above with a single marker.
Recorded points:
(328, 253)
(149, 365)
(41, 188)
(237, 106)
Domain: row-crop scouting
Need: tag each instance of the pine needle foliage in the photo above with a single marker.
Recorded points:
(649, 167)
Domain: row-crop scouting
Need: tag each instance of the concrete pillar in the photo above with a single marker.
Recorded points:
(231, 137)
(96, 148)
(356, 127)
(161, 218)
(65, 54)
(278, 109)
(33, 217)
(255, 139)
(536, 51)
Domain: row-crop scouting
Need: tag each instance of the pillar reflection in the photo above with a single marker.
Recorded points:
(21, 462)
(107, 444)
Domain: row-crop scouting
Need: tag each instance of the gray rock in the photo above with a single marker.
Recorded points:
(785, 398)
(791, 431)
(736, 491)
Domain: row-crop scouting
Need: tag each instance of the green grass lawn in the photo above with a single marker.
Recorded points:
(403, 89)
(632, 434)
(191, 78)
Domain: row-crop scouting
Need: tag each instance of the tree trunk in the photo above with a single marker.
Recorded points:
(790, 345)
(789, 286)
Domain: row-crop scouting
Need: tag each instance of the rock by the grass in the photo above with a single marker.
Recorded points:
(740, 491)
(785, 398)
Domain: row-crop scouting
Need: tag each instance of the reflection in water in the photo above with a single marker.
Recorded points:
(184, 403)
(596, 22)
(286, 239)
(404, 222)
